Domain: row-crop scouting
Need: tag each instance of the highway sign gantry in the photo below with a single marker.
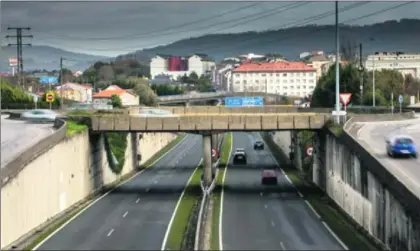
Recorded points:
(49, 97)
(243, 101)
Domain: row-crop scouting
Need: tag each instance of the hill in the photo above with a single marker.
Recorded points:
(394, 35)
(46, 57)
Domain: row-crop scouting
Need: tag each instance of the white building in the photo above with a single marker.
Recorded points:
(404, 63)
(198, 63)
(224, 77)
(284, 78)
(76, 92)
(128, 98)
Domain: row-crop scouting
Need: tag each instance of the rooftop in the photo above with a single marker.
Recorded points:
(281, 66)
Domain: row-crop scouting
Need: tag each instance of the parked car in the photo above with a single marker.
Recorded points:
(269, 177)
(259, 145)
(401, 145)
(39, 115)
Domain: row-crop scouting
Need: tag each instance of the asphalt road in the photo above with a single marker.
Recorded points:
(17, 136)
(136, 215)
(260, 218)
(373, 135)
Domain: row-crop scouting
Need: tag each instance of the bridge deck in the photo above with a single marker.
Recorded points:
(210, 122)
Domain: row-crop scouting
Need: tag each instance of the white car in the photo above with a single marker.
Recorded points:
(40, 115)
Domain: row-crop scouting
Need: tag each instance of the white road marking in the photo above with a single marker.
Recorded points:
(313, 209)
(98, 199)
(168, 229)
(137, 201)
(110, 232)
(125, 214)
(265, 206)
(272, 224)
(300, 194)
(261, 194)
(282, 246)
(335, 236)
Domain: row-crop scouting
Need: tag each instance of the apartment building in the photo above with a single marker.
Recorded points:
(404, 63)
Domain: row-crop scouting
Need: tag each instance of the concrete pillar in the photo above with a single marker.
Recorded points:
(207, 170)
(187, 104)
(297, 151)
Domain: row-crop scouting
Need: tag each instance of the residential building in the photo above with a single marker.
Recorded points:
(404, 63)
(176, 67)
(223, 77)
(284, 78)
(318, 62)
(75, 91)
(128, 97)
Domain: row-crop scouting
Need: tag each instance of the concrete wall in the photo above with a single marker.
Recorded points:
(62, 176)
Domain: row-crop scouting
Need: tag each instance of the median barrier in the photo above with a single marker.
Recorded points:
(13, 168)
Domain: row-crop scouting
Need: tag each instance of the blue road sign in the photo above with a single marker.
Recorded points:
(48, 80)
(244, 101)
(400, 99)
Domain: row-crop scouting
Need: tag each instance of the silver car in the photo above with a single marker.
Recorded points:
(39, 115)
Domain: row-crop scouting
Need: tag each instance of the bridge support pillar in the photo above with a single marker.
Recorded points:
(187, 104)
(297, 153)
(207, 160)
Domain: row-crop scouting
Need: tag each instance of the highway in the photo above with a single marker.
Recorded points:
(373, 135)
(17, 136)
(259, 218)
(134, 216)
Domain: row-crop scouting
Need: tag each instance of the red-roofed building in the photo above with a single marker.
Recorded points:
(284, 78)
(128, 97)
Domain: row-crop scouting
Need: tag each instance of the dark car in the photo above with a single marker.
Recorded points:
(259, 145)
(269, 177)
(239, 158)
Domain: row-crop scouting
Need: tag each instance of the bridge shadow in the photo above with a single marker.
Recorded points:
(158, 190)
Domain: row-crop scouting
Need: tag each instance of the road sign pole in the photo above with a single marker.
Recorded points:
(392, 102)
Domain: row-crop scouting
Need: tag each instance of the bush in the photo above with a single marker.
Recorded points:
(116, 144)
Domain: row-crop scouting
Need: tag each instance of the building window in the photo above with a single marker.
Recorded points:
(236, 75)
(285, 81)
(311, 80)
(244, 82)
(292, 81)
(277, 74)
(311, 74)
(278, 81)
(298, 87)
(284, 74)
(263, 75)
(297, 80)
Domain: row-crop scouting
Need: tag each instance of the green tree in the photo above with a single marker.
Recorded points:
(116, 101)
(146, 94)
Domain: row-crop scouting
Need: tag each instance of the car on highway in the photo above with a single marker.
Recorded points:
(155, 113)
(258, 145)
(268, 177)
(39, 115)
(401, 145)
(239, 158)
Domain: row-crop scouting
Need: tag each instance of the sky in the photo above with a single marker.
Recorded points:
(112, 28)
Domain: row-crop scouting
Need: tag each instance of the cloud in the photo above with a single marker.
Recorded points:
(72, 25)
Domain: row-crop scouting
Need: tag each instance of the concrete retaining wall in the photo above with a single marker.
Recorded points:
(62, 176)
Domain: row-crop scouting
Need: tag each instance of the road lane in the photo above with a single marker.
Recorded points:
(260, 218)
(134, 216)
(373, 135)
(17, 136)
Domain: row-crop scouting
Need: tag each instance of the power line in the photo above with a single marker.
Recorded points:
(19, 44)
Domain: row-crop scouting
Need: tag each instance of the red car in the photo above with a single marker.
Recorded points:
(269, 177)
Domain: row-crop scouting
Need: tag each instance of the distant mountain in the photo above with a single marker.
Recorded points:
(46, 57)
(402, 35)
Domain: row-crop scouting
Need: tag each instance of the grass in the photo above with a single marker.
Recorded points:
(340, 223)
(73, 128)
(50, 229)
(168, 147)
(117, 145)
(216, 195)
(181, 222)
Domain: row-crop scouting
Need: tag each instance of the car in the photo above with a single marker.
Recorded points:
(39, 115)
(259, 145)
(269, 177)
(239, 158)
(401, 145)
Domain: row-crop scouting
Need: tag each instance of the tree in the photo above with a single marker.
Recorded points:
(116, 101)
(146, 95)
(348, 50)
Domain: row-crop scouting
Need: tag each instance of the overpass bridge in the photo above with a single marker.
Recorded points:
(206, 96)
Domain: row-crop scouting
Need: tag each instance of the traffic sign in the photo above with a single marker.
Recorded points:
(48, 80)
(400, 99)
(345, 98)
(244, 101)
(309, 151)
(49, 97)
(213, 152)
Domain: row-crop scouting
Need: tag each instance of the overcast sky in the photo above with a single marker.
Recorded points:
(111, 28)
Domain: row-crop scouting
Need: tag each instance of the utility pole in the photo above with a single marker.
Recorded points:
(337, 65)
(19, 46)
(373, 81)
(61, 83)
(361, 73)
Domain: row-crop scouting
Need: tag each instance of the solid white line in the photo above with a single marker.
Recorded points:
(282, 246)
(335, 236)
(300, 194)
(168, 229)
(137, 201)
(110, 232)
(313, 209)
(125, 214)
(222, 197)
(95, 201)
(272, 223)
